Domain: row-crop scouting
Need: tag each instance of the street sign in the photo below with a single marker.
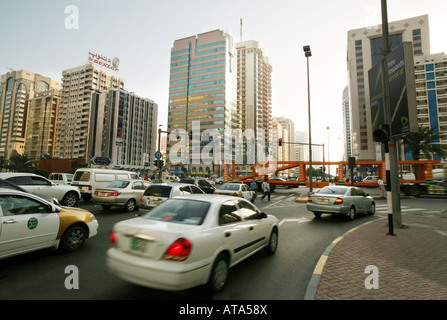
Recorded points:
(101, 161)
(158, 155)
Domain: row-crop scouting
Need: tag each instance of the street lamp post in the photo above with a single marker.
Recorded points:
(307, 54)
(328, 159)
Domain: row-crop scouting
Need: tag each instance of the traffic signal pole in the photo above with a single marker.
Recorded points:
(391, 157)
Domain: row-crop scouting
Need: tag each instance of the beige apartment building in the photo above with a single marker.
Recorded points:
(41, 124)
(17, 89)
(73, 118)
(363, 52)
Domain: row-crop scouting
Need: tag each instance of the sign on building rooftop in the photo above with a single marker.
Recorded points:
(100, 60)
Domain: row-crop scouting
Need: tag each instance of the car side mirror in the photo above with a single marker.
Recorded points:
(262, 215)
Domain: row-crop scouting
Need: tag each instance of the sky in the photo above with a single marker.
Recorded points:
(42, 37)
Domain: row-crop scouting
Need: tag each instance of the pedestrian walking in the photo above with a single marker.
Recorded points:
(381, 187)
(253, 185)
(266, 189)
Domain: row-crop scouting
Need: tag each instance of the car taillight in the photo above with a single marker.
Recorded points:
(113, 240)
(141, 199)
(179, 250)
(309, 199)
(113, 194)
(338, 201)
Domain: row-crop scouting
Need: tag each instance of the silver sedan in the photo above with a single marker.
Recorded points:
(344, 200)
(120, 193)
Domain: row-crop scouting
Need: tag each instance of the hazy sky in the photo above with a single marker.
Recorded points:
(141, 33)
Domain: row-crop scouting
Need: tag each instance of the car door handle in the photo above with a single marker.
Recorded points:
(10, 221)
(251, 228)
(227, 234)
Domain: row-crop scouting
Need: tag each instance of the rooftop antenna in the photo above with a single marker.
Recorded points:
(241, 29)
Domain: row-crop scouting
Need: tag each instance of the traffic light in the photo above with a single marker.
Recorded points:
(158, 163)
(324, 169)
(280, 142)
(382, 134)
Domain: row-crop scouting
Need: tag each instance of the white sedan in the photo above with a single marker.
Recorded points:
(189, 241)
(237, 189)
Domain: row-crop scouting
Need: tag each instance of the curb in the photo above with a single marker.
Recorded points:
(312, 287)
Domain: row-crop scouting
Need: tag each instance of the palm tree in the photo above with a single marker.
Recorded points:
(426, 142)
(19, 162)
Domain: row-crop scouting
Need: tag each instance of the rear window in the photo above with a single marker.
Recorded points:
(83, 176)
(182, 211)
(228, 186)
(191, 181)
(158, 191)
(332, 190)
(118, 184)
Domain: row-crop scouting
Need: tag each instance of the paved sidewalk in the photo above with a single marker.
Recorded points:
(410, 265)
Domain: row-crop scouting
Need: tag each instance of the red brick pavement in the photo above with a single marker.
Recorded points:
(411, 265)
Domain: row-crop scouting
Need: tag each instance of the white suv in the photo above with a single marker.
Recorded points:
(33, 183)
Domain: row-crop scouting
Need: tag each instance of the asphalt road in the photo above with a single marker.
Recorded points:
(283, 276)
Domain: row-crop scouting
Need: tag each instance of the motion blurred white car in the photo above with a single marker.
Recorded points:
(155, 194)
(237, 189)
(189, 241)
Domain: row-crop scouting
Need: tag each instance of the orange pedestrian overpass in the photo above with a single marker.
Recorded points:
(263, 170)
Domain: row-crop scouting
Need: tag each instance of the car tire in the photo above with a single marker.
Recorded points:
(73, 238)
(317, 214)
(219, 274)
(70, 199)
(273, 242)
(372, 209)
(351, 214)
(130, 205)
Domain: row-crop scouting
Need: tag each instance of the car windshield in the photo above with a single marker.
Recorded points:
(158, 191)
(120, 184)
(228, 186)
(183, 211)
(332, 190)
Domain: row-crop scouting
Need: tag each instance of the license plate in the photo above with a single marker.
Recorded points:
(323, 201)
(137, 244)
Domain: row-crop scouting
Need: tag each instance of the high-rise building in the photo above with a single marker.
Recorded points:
(17, 88)
(41, 124)
(123, 127)
(254, 89)
(431, 94)
(289, 127)
(202, 87)
(73, 118)
(346, 125)
(364, 51)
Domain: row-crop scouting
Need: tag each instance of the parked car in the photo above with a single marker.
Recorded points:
(35, 184)
(344, 200)
(237, 189)
(60, 178)
(9, 185)
(155, 194)
(121, 193)
(190, 241)
(29, 223)
(88, 179)
(201, 183)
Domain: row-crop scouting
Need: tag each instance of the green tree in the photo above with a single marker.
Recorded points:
(424, 142)
(20, 162)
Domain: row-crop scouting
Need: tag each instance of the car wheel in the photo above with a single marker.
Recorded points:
(372, 209)
(130, 205)
(351, 213)
(317, 214)
(70, 199)
(106, 206)
(73, 238)
(219, 274)
(273, 242)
